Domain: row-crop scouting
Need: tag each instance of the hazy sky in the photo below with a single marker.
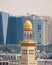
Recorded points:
(22, 7)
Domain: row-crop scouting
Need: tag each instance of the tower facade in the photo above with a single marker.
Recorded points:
(27, 46)
(46, 30)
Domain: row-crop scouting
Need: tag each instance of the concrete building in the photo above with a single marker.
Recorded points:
(44, 61)
(46, 29)
(50, 31)
(37, 29)
(41, 29)
(9, 58)
(4, 63)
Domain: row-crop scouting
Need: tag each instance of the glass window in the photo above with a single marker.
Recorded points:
(39, 42)
(39, 27)
(40, 35)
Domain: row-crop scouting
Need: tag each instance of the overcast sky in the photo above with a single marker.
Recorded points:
(22, 7)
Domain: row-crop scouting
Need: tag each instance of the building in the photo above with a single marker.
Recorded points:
(9, 58)
(46, 30)
(27, 46)
(3, 27)
(50, 30)
(11, 29)
(44, 61)
(15, 30)
(41, 29)
(37, 29)
(4, 63)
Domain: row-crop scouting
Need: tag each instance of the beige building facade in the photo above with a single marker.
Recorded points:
(46, 30)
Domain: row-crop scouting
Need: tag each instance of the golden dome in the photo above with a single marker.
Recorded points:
(27, 25)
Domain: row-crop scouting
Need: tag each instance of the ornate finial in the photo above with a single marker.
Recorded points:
(27, 15)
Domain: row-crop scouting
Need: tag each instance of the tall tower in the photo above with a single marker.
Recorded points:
(27, 46)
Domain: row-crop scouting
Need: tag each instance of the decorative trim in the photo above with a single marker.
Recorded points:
(28, 44)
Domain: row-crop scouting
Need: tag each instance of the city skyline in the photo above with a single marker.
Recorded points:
(11, 28)
(18, 7)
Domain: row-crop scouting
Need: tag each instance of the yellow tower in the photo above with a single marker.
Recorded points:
(27, 46)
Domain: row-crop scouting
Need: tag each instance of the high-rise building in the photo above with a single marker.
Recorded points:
(15, 30)
(50, 30)
(37, 28)
(3, 27)
(1, 31)
(11, 31)
(41, 29)
(11, 28)
(46, 30)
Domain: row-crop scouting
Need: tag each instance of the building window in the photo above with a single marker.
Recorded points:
(23, 63)
(24, 51)
(40, 35)
(39, 42)
(39, 27)
(31, 51)
(32, 63)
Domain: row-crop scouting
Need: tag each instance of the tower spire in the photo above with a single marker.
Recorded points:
(27, 16)
(27, 46)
